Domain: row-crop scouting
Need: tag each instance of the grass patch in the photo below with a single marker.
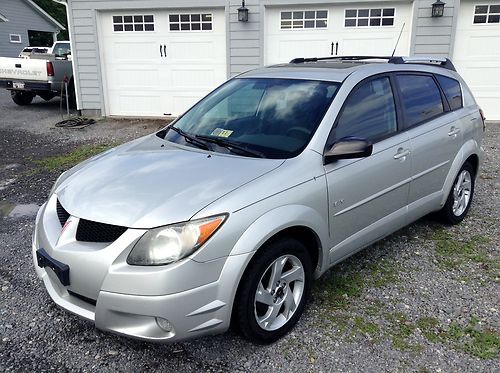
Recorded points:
(399, 331)
(453, 253)
(336, 289)
(65, 161)
(365, 327)
(484, 344)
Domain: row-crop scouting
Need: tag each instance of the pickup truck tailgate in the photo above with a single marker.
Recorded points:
(23, 69)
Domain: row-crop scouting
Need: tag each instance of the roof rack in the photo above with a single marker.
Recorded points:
(440, 61)
(339, 58)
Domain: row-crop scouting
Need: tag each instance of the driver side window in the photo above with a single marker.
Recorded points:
(369, 112)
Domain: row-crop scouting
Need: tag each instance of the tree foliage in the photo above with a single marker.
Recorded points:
(58, 12)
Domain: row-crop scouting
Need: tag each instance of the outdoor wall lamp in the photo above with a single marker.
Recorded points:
(438, 8)
(243, 12)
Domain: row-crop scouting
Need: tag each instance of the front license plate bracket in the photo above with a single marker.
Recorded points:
(60, 269)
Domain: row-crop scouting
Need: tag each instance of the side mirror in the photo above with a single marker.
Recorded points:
(348, 148)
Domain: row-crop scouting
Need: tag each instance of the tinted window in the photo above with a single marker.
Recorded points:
(369, 112)
(451, 90)
(421, 98)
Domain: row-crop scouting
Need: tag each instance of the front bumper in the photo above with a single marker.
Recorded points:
(193, 310)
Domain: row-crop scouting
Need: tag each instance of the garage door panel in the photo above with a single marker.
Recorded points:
(130, 79)
(193, 51)
(477, 57)
(141, 80)
(193, 78)
(476, 45)
(284, 42)
(135, 50)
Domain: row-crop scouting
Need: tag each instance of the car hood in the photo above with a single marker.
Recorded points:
(150, 182)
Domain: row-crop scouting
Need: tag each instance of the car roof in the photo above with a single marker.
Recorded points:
(337, 69)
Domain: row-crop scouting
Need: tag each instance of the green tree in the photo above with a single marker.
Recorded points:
(58, 12)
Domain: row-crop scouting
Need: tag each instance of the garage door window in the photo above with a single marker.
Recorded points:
(304, 19)
(191, 22)
(487, 14)
(134, 23)
(369, 17)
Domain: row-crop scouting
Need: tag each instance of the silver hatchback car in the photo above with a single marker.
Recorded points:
(227, 215)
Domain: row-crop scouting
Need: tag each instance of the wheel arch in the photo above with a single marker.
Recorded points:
(468, 153)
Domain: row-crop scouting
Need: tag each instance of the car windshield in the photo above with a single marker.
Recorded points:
(272, 118)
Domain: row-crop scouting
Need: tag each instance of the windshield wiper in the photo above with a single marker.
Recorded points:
(231, 145)
(190, 138)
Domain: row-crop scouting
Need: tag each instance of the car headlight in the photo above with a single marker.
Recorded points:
(171, 243)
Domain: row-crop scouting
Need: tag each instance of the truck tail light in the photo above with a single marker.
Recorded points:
(50, 69)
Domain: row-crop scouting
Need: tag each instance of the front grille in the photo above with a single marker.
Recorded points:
(83, 298)
(62, 214)
(91, 231)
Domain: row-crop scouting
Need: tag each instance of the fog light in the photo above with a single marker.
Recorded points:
(164, 324)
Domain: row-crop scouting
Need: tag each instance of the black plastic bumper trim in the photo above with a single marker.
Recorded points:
(60, 269)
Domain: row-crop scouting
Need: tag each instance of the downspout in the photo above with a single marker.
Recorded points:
(73, 52)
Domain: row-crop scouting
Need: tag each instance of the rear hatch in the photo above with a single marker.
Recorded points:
(23, 69)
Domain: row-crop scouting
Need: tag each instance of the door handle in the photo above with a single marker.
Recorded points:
(161, 53)
(401, 154)
(336, 48)
(331, 52)
(165, 50)
(454, 131)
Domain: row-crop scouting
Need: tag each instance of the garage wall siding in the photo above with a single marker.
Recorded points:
(245, 47)
(433, 36)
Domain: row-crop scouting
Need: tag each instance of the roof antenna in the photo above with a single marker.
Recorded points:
(397, 42)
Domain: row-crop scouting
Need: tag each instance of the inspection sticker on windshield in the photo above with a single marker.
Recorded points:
(219, 132)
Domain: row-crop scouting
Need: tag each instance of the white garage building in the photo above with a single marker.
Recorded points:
(157, 57)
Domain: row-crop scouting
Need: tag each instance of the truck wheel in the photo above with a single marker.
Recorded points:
(22, 98)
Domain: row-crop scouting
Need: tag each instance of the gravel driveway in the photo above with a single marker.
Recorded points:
(424, 299)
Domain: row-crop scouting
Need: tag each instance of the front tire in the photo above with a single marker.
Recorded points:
(22, 98)
(273, 291)
(460, 198)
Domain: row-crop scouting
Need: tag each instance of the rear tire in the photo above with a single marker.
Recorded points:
(460, 198)
(273, 291)
(22, 98)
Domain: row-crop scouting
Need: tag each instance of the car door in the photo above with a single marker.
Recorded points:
(368, 196)
(435, 138)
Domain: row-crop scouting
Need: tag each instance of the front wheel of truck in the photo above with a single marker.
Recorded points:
(22, 98)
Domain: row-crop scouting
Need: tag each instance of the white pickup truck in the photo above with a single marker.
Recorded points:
(41, 74)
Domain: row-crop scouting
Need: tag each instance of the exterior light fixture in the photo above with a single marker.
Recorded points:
(438, 8)
(243, 12)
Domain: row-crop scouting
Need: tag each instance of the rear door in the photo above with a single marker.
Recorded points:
(435, 137)
(368, 196)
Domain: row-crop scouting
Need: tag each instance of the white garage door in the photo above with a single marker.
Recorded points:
(161, 62)
(321, 31)
(477, 52)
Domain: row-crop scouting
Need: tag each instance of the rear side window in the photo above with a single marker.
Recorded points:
(421, 98)
(369, 112)
(452, 91)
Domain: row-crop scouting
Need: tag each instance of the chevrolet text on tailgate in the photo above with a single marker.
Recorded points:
(229, 213)
(41, 74)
